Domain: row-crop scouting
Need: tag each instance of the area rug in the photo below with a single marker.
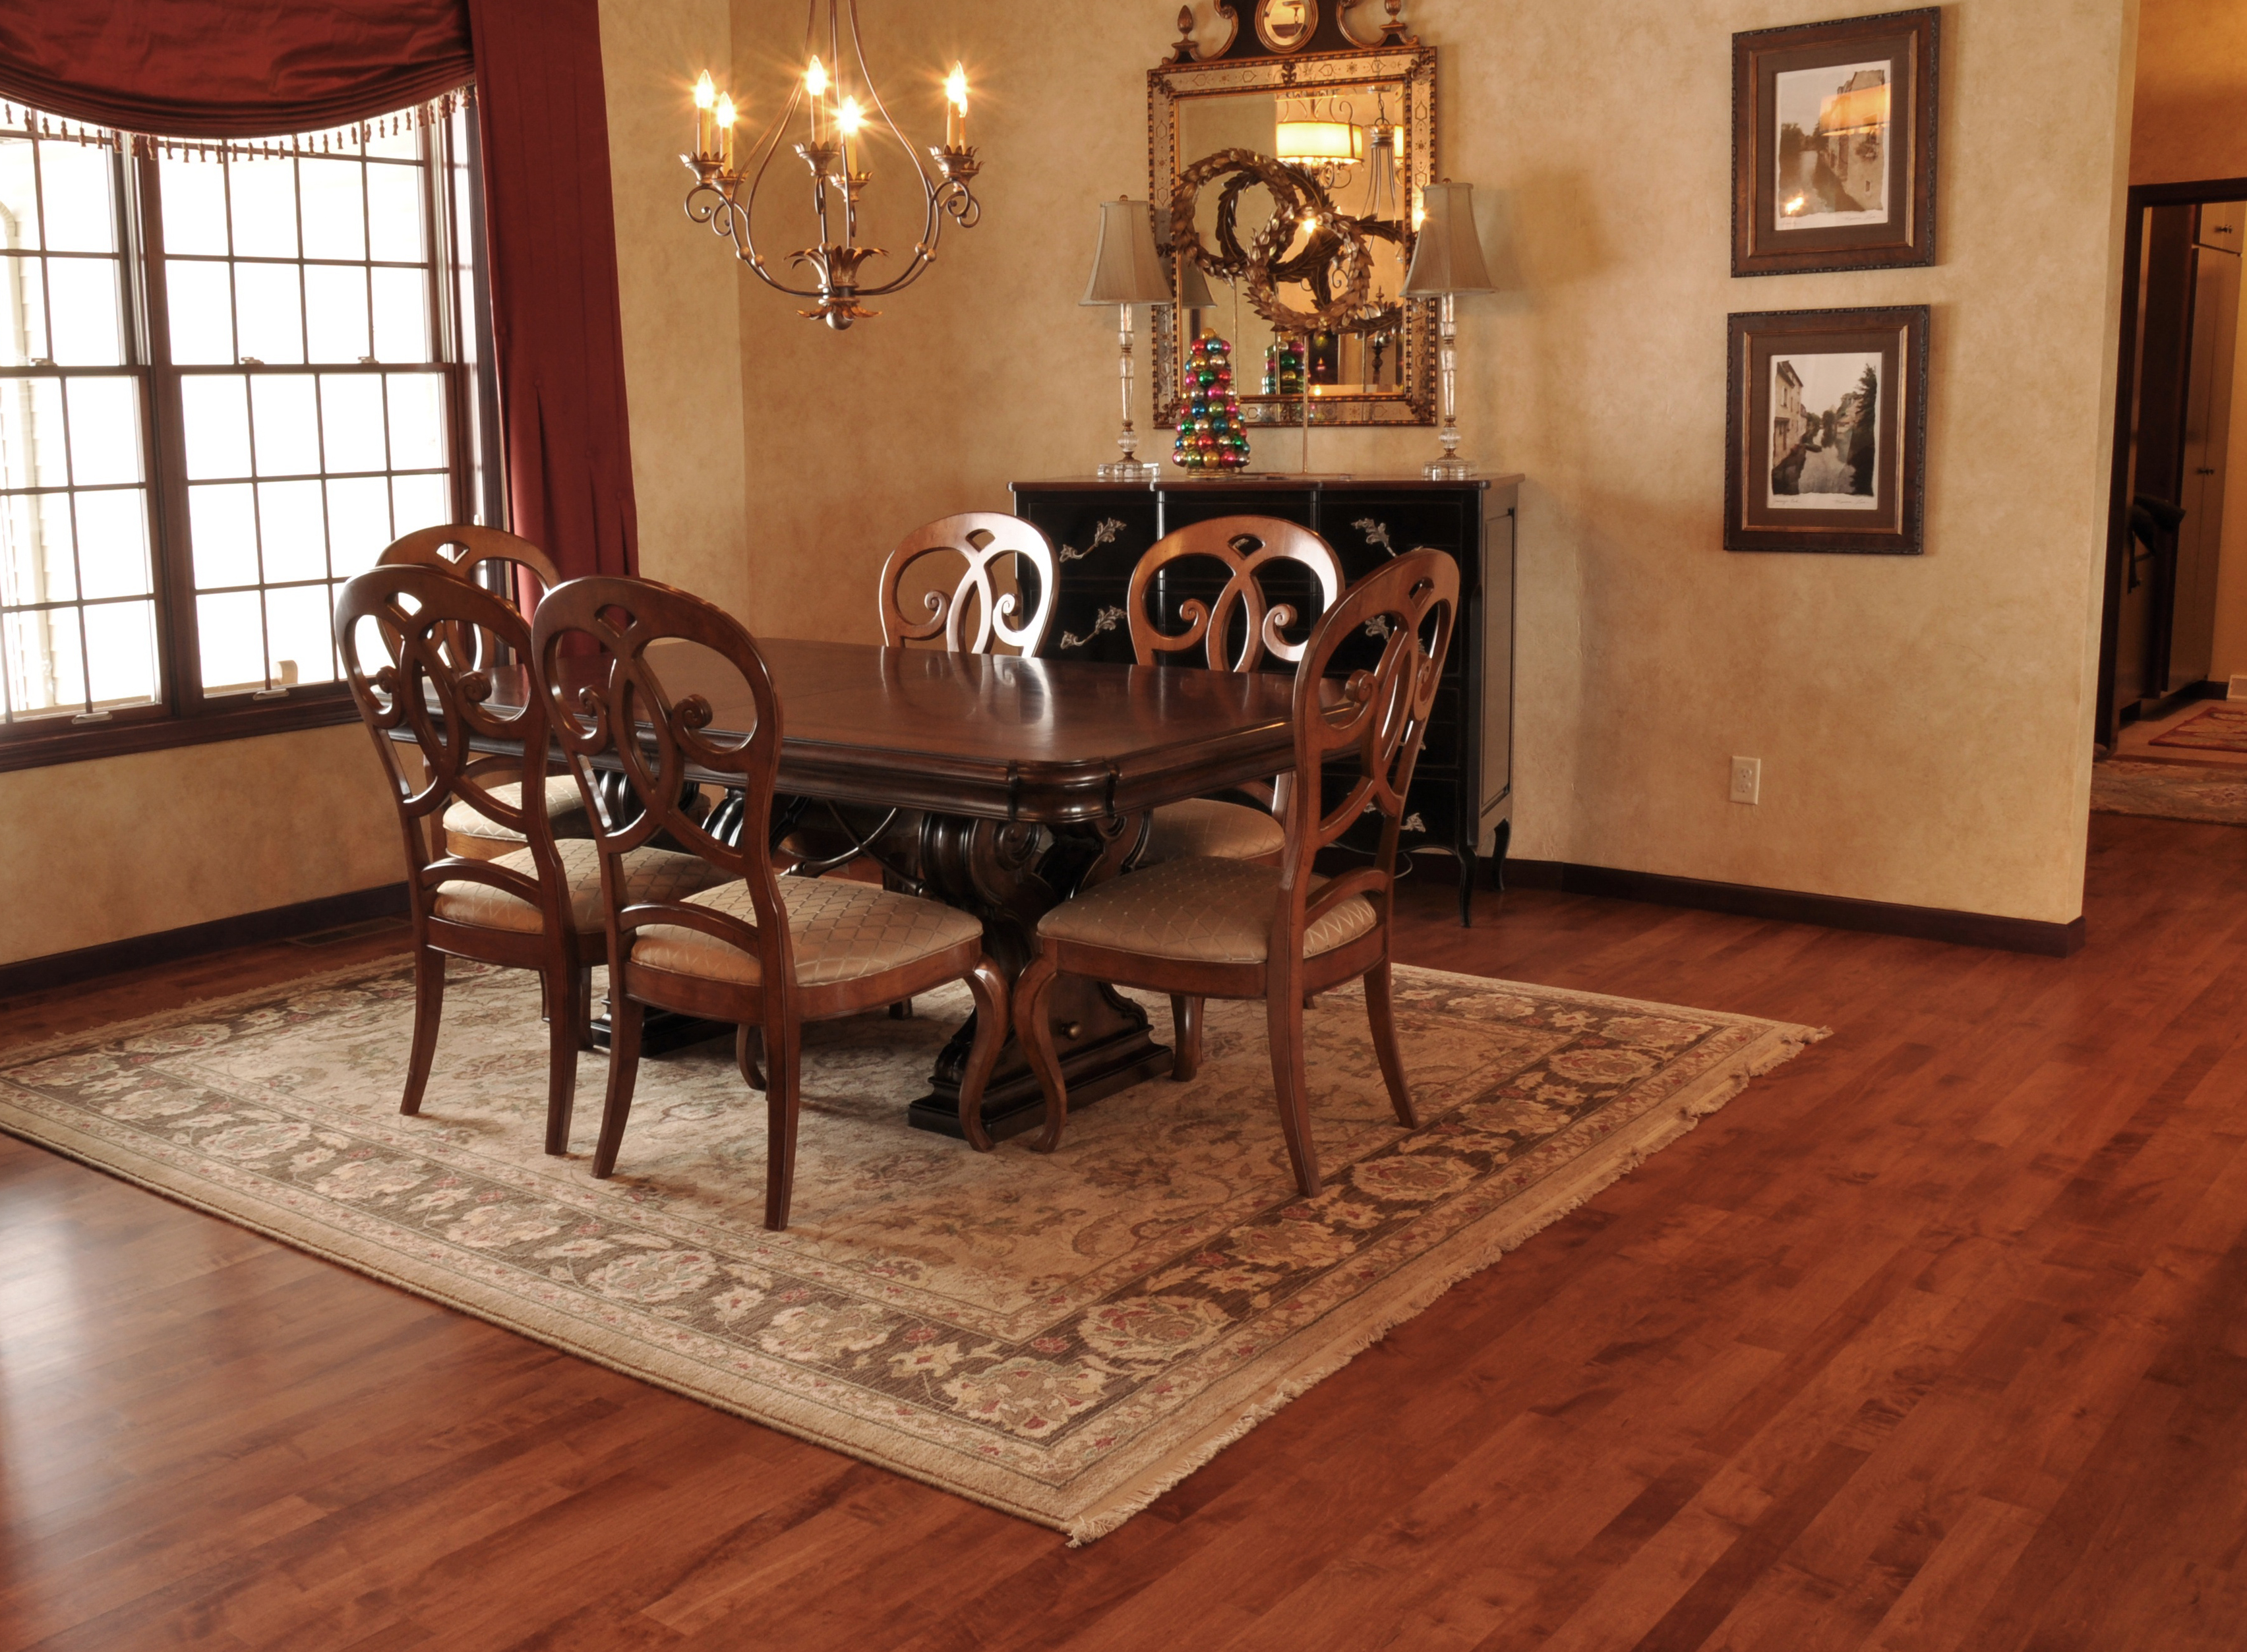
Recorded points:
(1060, 1336)
(2169, 791)
(2220, 728)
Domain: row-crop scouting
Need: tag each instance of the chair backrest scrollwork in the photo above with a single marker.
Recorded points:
(1378, 715)
(607, 701)
(1017, 618)
(1248, 547)
(463, 549)
(408, 636)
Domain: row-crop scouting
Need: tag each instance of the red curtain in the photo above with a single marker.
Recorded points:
(262, 68)
(551, 258)
(230, 68)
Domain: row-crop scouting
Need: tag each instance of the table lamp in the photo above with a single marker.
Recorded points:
(1127, 270)
(1447, 262)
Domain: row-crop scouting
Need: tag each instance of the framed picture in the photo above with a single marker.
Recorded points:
(1826, 430)
(1834, 144)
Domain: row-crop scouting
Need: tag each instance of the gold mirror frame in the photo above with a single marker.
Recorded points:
(1408, 73)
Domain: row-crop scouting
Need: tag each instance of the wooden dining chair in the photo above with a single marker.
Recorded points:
(764, 952)
(402, 633)
(975, 616)
(1222, 928)
(466, 551)
(1238, 631)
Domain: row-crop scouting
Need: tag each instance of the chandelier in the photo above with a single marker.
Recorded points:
(841, 110)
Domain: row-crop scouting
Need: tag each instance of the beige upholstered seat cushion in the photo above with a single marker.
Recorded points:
(1209, 912)
(565, 809)
(842, 930)
(650, 874)
(1204, 827)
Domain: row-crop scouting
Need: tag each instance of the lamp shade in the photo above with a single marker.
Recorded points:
(1193, 286)
(1313, 142)
(1447, 256)
(1125, 268)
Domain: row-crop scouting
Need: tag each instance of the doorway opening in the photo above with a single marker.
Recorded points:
(2175, 625)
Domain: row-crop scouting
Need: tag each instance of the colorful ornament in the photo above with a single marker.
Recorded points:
(1211, 435)
(1283, 368)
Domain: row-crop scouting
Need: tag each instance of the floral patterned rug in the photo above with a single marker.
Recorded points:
(2169, 791)
(2220, 728)
(1063, 1337)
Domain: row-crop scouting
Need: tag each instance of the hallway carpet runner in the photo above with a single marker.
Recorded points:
(2170, 791)
(1063, 1337)
(2220, 728)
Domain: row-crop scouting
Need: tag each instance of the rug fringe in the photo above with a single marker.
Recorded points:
(1098, 1523)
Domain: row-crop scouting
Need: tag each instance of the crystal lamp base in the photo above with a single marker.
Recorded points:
(1450, 467)
(1130, 470)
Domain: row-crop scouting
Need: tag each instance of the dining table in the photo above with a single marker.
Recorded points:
(1000, 785)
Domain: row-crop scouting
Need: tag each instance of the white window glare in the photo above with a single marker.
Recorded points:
(225, 386)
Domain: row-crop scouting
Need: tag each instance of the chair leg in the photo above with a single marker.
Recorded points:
(1186, 1036)
(584, 1017)
(564, 991)
(783, 1090)
(748, 1041)
(989, 987)
(1283, 1010)
(1378, 1012)
(624, 1017)
(902, 1010)
(1035, 1033)
(428, 1010)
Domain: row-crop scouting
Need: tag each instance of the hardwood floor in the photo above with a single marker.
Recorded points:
(1933, 1339)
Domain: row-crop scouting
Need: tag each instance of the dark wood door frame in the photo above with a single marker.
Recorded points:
(2118, 506)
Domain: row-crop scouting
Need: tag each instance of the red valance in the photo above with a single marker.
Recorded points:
(231, 68)
(265, 68)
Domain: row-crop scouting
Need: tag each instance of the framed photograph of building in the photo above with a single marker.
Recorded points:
(1826, 430)
(1834, 144)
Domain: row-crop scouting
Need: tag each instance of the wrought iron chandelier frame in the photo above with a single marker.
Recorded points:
(838, 180)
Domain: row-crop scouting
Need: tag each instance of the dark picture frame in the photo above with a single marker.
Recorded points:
(1834, 130)
(1806, 468)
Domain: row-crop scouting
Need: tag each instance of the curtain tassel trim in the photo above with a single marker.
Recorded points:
(16, 120)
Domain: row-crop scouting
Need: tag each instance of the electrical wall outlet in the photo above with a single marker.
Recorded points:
(2238, 690)
(1747, 780)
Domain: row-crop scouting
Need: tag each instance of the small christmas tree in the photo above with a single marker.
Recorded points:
(1283, 367)
(1211, 435)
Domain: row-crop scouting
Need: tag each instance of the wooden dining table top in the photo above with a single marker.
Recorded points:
(1050, 741)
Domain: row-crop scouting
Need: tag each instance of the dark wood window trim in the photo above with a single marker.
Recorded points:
(461, 350)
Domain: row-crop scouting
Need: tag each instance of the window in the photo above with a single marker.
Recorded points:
(230, 375)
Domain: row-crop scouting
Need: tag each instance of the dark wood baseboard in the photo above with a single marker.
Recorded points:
(1835, 912)
(168, 946)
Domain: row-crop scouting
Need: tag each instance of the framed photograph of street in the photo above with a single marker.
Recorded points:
(1834, 144)
(1825, 431)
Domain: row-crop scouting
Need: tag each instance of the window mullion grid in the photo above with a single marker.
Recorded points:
(179, 625)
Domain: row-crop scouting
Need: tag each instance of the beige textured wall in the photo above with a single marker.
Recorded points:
(1923, 723)
(683, 370)
(100, 851)
(2190, 120)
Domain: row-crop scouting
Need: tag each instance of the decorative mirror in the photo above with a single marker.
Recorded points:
(1286, 165)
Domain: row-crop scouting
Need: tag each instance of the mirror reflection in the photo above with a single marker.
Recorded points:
(1347, 146)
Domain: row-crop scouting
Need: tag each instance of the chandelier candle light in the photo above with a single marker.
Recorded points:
(841, 111)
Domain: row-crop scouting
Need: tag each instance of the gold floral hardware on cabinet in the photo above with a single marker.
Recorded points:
(1103, 533)
(1107, 619)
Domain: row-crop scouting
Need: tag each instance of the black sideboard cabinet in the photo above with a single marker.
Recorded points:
(1462, 795)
